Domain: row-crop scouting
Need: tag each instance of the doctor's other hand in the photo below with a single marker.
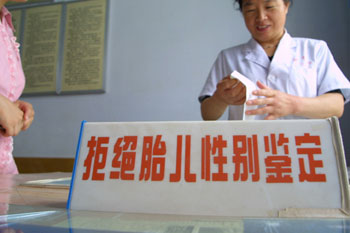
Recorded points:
(230, 91)
(11, 117)
(275, 103)
(28, 112)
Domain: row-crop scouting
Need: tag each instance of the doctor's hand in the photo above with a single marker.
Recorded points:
(230, 91)
(11, 117)
(275, 103)
(28, 112)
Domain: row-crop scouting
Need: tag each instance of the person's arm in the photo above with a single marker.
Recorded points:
(11, 117)
(212, 108)
(228, 92)
(278, 104)
(323, 106)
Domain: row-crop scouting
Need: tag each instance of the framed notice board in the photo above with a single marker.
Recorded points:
(63, 45)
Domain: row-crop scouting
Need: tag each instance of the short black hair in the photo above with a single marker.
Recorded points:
(240, 3)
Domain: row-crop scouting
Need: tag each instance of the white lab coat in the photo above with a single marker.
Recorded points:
(300, 66)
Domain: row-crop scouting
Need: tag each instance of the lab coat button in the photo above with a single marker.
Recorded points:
(271, 78)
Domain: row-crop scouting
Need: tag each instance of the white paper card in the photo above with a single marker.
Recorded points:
(250, 87)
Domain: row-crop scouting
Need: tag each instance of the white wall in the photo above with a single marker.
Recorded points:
(159, 54)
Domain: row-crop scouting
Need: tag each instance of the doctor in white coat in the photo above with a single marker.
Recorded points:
(296, 77)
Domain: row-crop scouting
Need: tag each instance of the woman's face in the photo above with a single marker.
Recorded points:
(265, 19)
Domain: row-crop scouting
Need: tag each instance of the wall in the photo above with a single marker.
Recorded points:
(159, 54)
(329, 21)
(344, 121)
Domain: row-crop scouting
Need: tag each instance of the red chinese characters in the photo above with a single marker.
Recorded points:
(189, 177)
(144, 159)
(278, 163)
(96, 158)
(308, 173)
(124, 159)
(246, 158)
(153, 158)
(214, 147)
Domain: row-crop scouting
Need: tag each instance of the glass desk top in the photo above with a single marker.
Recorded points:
(39, 219)
(32, 209)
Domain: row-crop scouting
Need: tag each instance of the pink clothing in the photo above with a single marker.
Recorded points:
(11, 84)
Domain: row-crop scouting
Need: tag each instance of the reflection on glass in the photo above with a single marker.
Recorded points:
(62, 221)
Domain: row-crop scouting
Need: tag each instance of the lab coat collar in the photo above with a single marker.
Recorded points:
(256, 53)
(284, 53)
